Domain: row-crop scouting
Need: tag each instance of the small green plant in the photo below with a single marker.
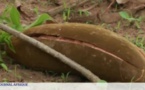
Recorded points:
(17, 76)
(11, 17)
(102, 84)
(130, 18)
(66, 12)
(118, 25)
(36, 11)
(81, 12)
(5, 38)
(5, 80)
(2, 64)
(139, 41)
(65, 76)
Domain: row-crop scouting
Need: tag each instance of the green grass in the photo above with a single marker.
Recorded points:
(131, 19)
(82, 12)
(2, 64)
(65, 76)
(66, 14)
(138, 41)
(17, 76)
(67, 11)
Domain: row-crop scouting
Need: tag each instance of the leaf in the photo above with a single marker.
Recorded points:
(102, 83)
(131, 19)
(3, 35)
(6, 38)
(40, 20)
(140, 19)
(64, 16)
(68, 13)
(4, 66)
(124, 15)
(15, 16)
(9, 43)
(4, 17)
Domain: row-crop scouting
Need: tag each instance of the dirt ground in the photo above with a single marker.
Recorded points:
(97, 13)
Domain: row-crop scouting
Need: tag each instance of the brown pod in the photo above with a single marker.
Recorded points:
(106, 54)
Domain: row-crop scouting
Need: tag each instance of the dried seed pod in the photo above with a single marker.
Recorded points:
(105, 53)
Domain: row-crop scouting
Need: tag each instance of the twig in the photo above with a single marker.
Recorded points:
(88, 74)
(137, 8)
(91, 7)
(112, 2)
(61, 8)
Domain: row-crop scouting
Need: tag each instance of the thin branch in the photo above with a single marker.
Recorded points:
(87, 73)
(91, 7)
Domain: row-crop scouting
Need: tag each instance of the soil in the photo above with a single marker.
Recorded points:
(98, 14)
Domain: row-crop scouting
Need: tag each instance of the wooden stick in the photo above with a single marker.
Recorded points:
(87, 73)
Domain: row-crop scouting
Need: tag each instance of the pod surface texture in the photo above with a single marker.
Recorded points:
(106, 54)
